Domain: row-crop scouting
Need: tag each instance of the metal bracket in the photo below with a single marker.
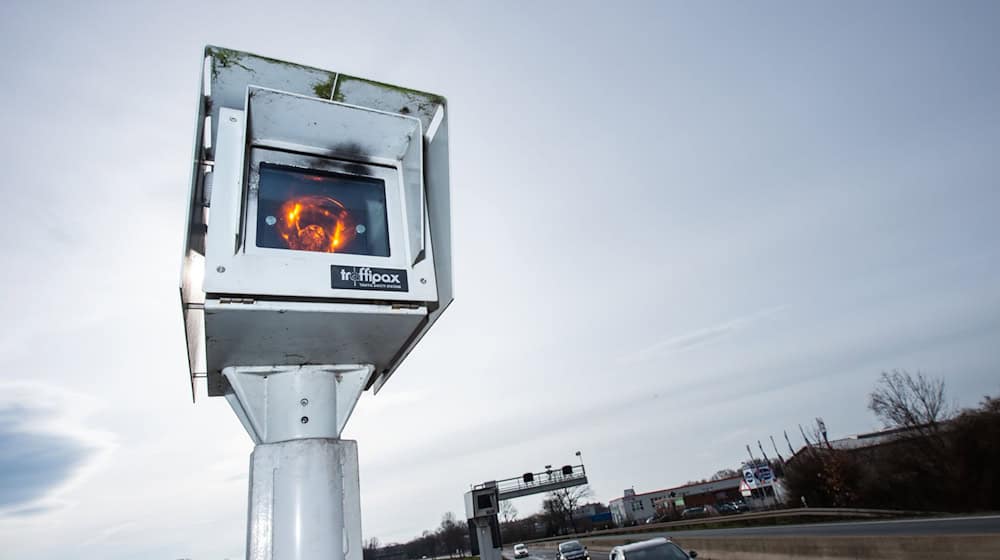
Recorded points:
(282, 403)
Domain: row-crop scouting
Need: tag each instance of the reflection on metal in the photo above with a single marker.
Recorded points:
(545, 481)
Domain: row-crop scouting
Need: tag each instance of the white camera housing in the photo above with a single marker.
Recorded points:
(482, 502)
(319, 220)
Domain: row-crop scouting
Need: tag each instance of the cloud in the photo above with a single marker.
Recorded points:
(110, 533)
(44, 446)
(701, 337)
(32, 510)
(35, 463)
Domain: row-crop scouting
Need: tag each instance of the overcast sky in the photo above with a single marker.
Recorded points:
(678, 228)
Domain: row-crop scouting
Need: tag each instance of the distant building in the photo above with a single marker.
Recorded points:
(870, 439)
(634, 508)
(591, 517)
(588, 511)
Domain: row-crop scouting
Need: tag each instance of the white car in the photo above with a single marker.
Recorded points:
(659, 548)
(520, 551)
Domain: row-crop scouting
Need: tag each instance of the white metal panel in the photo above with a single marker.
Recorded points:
(232, 71)
(304, 501)
(277, 116)
(439, 211)
(269, 333)
(232, 269)
(227, 188)
(227, 80)
(295, 402)
(338, 129)
(413, 190)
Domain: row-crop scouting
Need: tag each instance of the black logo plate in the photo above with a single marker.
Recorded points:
(368, 278)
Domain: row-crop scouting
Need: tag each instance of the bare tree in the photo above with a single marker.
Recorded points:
(452, 534)
(507, 511)
(431, 542)
(725, 473)
(819, 434)
(902, 400)
(370, 547)
(563, 502)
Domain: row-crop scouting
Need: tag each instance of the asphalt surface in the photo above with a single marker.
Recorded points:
(534, 554)
(980, 525)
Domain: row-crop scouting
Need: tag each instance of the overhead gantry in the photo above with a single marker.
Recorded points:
(482, 502)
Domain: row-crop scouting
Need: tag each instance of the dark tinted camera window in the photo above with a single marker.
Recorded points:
(483, 502)
(306, 210)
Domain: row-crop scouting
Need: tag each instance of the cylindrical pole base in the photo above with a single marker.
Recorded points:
(304, 501)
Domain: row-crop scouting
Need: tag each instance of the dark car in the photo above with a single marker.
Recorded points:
(741, 506)
(727, 509)
(573, 550)
(654, 549)
(695, 512)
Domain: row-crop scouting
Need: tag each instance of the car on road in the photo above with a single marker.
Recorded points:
(573, 550)
(727, 509)
(741, 507)
(695, 512)
(520, 551)
(660, 548)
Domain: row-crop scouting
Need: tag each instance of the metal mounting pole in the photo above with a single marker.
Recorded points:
(488, 550)
(304, 492)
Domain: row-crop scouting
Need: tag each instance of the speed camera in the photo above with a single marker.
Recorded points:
(318, 220)
(483, 501)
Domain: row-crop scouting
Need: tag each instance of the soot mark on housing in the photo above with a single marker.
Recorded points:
(346, 149)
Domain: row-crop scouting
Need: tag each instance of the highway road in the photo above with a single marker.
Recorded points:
(538, 554)
(892, 530)
(978, 525)
(973, 525)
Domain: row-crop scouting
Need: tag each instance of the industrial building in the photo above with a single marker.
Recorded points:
(634, 508)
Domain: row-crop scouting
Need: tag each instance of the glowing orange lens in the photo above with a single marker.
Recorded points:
(315, 223)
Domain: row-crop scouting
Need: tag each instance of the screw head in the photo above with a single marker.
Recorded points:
(220, 269)
(423, 280)
(304, 419)
(232, 119)
(304, 402)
